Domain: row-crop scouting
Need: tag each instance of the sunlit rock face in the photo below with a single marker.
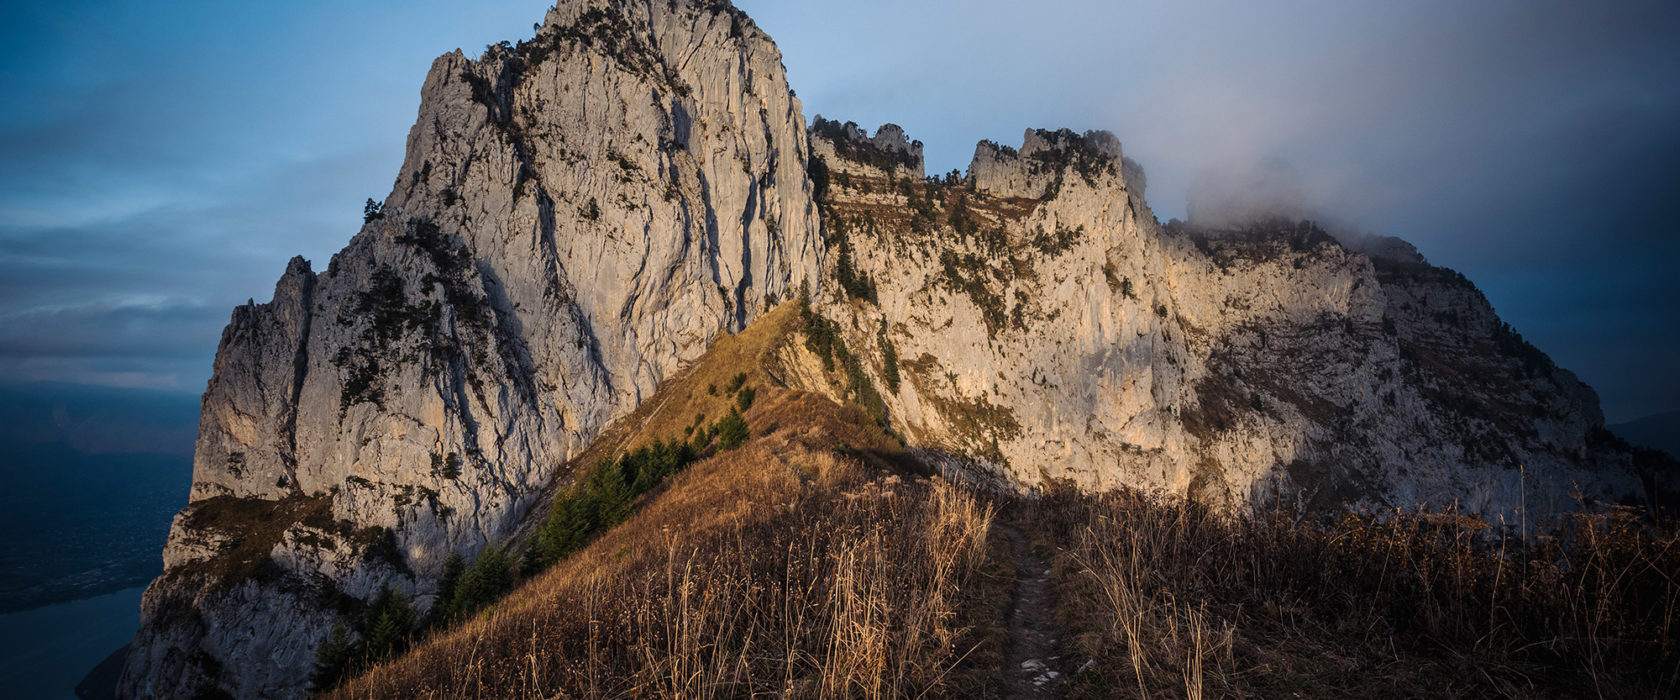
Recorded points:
(1045, 323)
(576, 216)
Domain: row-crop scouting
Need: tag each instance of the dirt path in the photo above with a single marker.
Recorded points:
(1030, 664)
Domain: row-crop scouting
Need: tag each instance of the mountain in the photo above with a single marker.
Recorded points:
(1658, 432)
(98, 420)
(1043, 320)
(576, 216)
(581, 216)
(814, 555)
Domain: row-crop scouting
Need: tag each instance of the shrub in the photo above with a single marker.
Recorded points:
(335, 659)
(386, 629)
(453, 567)
(889, 359)
(732, 430)
(390, 621)
(448, 467)
(607, 495)
(855, 283)
(486, 582)
(822, 337)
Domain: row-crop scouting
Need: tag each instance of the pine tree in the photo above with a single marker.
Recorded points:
(334, 660)
(388, 635)
(612, 495)
(389, 622)
(530, 563)
(732, 430)
(489, 578)
(453, 567)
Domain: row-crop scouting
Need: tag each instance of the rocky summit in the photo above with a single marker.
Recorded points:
(581, 214)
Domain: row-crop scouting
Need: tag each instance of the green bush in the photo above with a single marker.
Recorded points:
(822, 337)
(732, 431)
(334, 660)
(448, 467)
(390, 621)
(856, 283)
(486, 582)
(385, 630)
(453, 568)
(889, 359)
(608, 494)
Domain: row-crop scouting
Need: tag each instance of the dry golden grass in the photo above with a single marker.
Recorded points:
(783, 567)
(698, 391)
(1169, 600)
(812, 562)
(685, 394)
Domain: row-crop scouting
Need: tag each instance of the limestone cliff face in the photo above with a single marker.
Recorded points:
(576, 217)
(1045, 325)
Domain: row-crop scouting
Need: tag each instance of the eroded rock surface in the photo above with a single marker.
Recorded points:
(576, 216)
(1045, 323)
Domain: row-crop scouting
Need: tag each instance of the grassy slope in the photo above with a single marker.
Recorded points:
(800, 563)
(794, 566)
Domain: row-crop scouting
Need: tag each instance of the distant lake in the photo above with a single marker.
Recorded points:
(45, 652)
(89, 481)
(74, 525)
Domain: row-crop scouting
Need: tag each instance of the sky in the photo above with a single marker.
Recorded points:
(160, 162)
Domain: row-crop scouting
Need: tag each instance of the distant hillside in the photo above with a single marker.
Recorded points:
(98, 420)
(1661, 432)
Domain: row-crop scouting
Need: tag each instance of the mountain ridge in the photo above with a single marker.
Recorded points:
(582, 215)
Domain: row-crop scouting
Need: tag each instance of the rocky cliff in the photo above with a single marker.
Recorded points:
(1033, 320)
(581, 214)
(577, 216)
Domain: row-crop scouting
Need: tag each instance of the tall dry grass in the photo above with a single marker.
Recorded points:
(781, 568)
(1168, 599)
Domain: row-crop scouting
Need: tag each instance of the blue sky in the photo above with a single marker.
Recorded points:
(162, 161)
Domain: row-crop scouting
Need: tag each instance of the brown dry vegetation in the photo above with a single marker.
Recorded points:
(684, 397)
(787, 569)
(783, 567)
(814, 562)
(1166, 599)
(249, 529)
